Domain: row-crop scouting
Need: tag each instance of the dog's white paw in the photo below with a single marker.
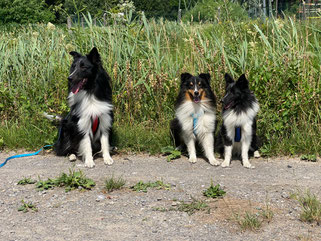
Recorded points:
(214, 162)
(108, 161)
(248, 165)
(192, 159)
(89, 163)
(72, 158)
(225, 164)
(257, 154)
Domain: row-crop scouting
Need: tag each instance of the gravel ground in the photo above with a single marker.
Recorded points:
(129, 215)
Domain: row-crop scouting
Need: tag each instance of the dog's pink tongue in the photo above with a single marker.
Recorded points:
(75, 89)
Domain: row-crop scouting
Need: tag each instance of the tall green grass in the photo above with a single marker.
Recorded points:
(145, 59)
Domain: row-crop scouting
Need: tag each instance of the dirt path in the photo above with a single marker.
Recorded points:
(129, 215)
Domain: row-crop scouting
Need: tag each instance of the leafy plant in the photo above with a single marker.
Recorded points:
(310, 207)
(192, 207)
(142, 187)
(26, 206)
(75, 179)
(171, 153)
(214, 191)
(112, 184)
(26, 181)
(310, 158)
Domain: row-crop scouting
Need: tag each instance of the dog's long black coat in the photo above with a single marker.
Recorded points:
(88, 82)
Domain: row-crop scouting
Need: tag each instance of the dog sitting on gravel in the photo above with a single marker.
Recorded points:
(237, 135)
(87, 128)
(195, 116)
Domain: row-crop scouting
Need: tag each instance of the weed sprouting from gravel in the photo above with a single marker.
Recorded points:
(142, 186)
(75, 180)
(249, 221)
(26, 206)
(192, 207)
(253, 221)
(310, 207)
(171, 153)
(26, 181)
(214, 191)
(112, 184)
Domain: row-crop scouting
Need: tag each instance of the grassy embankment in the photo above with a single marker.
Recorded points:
(145, 59)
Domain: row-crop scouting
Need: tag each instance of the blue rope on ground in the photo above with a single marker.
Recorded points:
(24, 155)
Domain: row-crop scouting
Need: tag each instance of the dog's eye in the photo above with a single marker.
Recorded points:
(191, 84)
(199, 84)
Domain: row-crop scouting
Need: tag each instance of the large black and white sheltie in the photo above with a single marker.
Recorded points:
(86, 130)
(237, 135)
(195, 116)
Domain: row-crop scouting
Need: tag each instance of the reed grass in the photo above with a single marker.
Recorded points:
(145, 59)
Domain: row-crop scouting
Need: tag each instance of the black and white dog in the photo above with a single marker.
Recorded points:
(87, 128)
(195, 120)
(238, 132)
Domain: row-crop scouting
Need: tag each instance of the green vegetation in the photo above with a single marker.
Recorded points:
(75, 179)
(142, 186)
(253, 221)
(171, 153)
(145, 59)
(26, 206)
(192, 207)
(311, 207)
(214, 191)
(112, 184)
(310, 158)
(26, 181)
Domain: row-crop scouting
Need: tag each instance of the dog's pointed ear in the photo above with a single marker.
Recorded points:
(242, 82)
(185, 76)
(228, 79)
(75, 54)
(94, 56)
(206, 77)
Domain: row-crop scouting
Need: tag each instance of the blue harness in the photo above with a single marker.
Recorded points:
(195, 118)
(238, 134)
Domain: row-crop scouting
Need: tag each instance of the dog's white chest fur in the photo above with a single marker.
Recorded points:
(88, 107)
(245, 119)
(204, 114)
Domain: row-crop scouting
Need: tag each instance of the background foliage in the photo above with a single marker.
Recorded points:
(145, 59)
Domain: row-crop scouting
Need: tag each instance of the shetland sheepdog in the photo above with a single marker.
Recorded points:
(195, 116)
(86, 130)
(237, 135)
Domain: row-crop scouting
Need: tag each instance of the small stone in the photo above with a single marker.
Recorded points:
(100, 198)
(72, 158)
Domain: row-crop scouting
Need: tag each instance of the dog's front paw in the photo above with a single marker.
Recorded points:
(192, 159)
(89, 163)
(248, 165)
(225, 164)
(214, 162)
(108, 161)
(257, 154)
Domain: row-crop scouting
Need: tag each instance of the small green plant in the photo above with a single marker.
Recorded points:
(75, 179)
(26, 181)
(253, 221)
(310, 158)
(45, 185)
(171, 153)
(112, 184)
(214, 191)
(311, 207)
(142, 186)
(26, 206)
(249, 221)
(192, 207)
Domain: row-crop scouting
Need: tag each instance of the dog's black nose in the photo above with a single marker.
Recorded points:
(196, 93)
